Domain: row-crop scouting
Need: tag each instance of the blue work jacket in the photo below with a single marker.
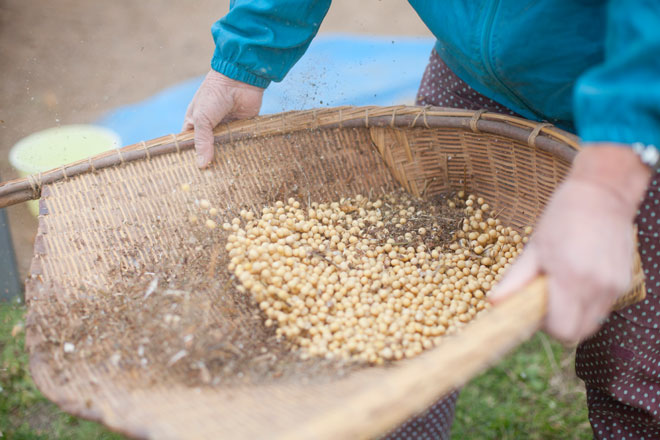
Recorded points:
(592, 64)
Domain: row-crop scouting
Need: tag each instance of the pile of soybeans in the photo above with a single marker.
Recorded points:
(370, 280)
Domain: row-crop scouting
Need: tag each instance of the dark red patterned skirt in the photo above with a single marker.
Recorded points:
(620, 365)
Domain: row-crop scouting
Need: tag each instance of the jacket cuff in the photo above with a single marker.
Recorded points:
(236, 72)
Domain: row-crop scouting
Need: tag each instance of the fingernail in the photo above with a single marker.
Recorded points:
(201, 162)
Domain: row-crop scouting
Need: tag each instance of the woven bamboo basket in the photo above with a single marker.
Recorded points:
(123, 211)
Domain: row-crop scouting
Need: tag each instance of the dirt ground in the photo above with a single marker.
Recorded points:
(72, 60)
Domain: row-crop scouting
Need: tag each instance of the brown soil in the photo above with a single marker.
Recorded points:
(434, 215)
(69, 61)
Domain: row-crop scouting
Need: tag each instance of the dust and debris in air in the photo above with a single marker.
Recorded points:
(186, 321)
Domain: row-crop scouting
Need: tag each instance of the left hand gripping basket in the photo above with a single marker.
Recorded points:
(121, 220)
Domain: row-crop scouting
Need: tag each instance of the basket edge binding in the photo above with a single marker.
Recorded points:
(538, 135)
(541, 135)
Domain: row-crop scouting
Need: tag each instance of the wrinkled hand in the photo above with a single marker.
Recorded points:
(584, 242)
(218, 99)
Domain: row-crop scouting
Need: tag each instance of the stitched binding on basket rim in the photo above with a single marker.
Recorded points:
(415, 112)
(91, 165)
(393, 118)
(121, 156)
(531, 139)
(426, 109)
(35, 183)
(422, 112)
(146, 149)
(176, 143)
(475, 119)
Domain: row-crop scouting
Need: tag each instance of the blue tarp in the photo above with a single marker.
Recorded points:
(336, 70)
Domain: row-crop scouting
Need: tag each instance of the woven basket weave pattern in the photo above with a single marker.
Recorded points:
(130, 211)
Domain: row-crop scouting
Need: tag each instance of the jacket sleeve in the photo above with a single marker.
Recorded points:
(259, 41)
(619, 99)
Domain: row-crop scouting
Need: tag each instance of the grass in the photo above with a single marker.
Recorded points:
(24, 412)
(531, 394)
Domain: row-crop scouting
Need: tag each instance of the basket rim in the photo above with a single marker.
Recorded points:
(410, 382)
(540, 135)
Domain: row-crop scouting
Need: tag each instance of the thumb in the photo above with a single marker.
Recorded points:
(523, 271)
(203, 141)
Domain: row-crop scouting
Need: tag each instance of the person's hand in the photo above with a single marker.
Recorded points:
(584, 242)
(218, 99)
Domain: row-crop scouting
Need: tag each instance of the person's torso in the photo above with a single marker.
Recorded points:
(525, 54)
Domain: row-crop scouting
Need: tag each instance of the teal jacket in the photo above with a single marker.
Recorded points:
(592, 64)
